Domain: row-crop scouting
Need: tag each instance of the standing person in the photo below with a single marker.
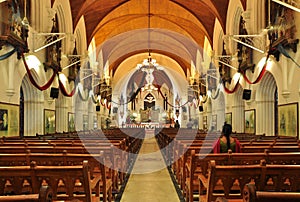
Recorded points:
(177, 125)
(226, 142)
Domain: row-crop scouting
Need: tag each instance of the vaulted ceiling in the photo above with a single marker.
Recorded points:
(174, 28)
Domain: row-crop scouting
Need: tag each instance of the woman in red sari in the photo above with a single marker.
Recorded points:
(226, 142)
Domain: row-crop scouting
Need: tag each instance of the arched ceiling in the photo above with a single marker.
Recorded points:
(121, 27)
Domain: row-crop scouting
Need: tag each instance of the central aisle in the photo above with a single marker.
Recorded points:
(150, 180)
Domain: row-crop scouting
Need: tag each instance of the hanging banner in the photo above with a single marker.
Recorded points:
(7, 55)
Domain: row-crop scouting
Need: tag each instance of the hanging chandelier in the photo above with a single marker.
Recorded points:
(149, 64)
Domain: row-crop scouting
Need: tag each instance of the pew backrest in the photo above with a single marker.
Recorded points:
(229, 180)
(70, 181)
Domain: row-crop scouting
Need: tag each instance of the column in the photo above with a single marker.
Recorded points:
(238, 118)
(260, 116)
(12, 63)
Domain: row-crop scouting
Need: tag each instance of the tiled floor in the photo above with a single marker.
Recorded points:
(150, 180)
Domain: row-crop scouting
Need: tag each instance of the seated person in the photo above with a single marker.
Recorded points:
(226, 142)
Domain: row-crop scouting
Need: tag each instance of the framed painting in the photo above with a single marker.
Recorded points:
(9, 119)
(3, 119)
(228, 118)
(49, 121)
(288, 120)
(71, 122)
(249, 121)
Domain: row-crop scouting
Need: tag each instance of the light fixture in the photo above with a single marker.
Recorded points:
(92, 74)
(60, 36)
(287, 5)
(247, 44)
(149, 65)
(25, 20)
(74, 59)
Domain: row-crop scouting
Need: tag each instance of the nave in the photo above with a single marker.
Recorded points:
(150, 179)
(81, 80)
(148, 165)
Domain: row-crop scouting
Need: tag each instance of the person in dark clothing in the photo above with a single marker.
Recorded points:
(177, 125)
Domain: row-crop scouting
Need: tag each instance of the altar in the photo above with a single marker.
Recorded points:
(148, 125)
(149, 115)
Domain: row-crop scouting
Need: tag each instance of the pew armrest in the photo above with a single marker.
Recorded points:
(45, 194)
(95, 180)
(16, 198)
(250, 194)
(203, 181)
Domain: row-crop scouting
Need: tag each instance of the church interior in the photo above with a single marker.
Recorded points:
(127, 100)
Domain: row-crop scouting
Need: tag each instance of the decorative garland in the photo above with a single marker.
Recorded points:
(204, 101)
(49, 83)
(195, 103)
(7, 55)
(170, 103)
(120, 104)
(134, 94)
(216, 94)
(228, 91)
(63, 89)
(41, 88)
(95, 101)
(108, 105)
(81, 96)
(261, 74)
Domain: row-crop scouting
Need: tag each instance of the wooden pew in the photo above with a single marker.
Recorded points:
(272, 148)
(229, 181)
(197, 166)
(98, 164)
(250, 194)
(67, 182)
(117, 150)
(44, 195)
(182, 155)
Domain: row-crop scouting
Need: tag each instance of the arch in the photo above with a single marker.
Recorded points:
(176, 77)
(235, 10)
(79, 111)
(208, 112)
(265, 105)
(164, 42)
(91, 112)
(80, 36)
(219, 106)
(238, 107)
(33, 107)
